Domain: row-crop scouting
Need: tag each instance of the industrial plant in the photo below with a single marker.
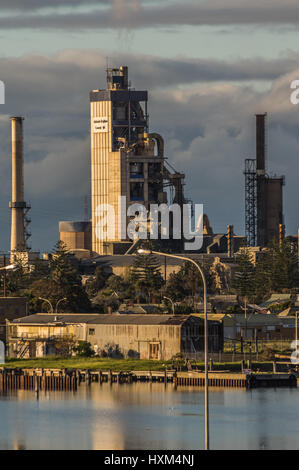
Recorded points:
(263, 194)
(129, 167)
(128, 163)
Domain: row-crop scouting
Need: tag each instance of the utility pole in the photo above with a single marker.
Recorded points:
(4, 277)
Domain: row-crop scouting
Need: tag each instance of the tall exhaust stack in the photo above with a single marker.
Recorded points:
(17, 204)
(261, 189)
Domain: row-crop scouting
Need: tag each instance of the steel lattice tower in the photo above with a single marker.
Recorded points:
(250, 201)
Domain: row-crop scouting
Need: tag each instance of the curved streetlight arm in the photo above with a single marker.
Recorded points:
(10, 267)
(61, 300)
(46, 300)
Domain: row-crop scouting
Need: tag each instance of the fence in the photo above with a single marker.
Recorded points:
(237, 350)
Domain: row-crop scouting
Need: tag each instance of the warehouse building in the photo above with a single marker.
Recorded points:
(142, 336)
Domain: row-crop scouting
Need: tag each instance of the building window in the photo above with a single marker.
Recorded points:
(91, 331)
(136, 170)
(137, 191)
(153, 191)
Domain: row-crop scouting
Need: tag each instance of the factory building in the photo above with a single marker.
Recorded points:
(126, 160)
(75, 235)
(263, 194)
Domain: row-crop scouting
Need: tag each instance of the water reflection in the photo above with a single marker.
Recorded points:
(148, 416)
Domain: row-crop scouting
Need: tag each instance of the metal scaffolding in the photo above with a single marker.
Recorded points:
(250, 201)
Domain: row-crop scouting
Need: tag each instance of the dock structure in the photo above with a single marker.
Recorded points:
(69, 380)
(216, 379)
(38, 379)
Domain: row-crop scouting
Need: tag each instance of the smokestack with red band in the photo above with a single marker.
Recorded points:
(17, 203)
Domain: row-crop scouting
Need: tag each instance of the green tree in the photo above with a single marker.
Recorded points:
(15, 281)
(62, 281)
(146, 275)
(83, 349)
(187, 282)
(244, 280)
(117, 284)
(99, 282)
(277, 269)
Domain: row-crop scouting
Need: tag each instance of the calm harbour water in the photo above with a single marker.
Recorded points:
(149, 416)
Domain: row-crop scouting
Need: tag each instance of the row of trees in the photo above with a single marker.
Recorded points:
(275, 271)
(59, 279)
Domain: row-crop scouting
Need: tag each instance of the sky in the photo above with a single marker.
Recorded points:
(209, 66)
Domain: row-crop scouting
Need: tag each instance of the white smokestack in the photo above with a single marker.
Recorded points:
(17, 203)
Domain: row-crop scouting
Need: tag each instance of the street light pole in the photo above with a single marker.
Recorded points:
(10, 267)
(296, 329)
(207, 432)
(171, 301)
(4, 277)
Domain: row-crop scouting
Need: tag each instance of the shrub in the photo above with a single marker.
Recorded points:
(268, 354)
(133, 354)
(113, 351)
(83, 349)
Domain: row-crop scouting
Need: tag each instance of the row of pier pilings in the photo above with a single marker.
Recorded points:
(17, 379)
(69, 380)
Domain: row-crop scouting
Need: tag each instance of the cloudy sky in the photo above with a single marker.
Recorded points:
(209, 65)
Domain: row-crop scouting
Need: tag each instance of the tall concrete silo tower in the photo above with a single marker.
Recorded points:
(125, 159)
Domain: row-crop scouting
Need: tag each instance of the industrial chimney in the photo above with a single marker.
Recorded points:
(230, 241)
(18, 207)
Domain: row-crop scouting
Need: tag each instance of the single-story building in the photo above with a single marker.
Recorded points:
(42, 334)
(255, 326)
(143, 336)
(11, 308)
(259, 326)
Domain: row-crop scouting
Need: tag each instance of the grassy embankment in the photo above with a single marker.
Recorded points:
(121, 364)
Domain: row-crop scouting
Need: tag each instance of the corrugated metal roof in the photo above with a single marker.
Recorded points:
(41, 318)
(144, 319)
(258, 319)
(115, 319)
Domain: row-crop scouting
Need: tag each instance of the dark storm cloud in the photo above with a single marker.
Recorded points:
(71, 67)
(208, 129)
(39, 4)
(138, 14)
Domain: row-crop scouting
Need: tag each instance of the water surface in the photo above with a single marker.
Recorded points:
(149, 416)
